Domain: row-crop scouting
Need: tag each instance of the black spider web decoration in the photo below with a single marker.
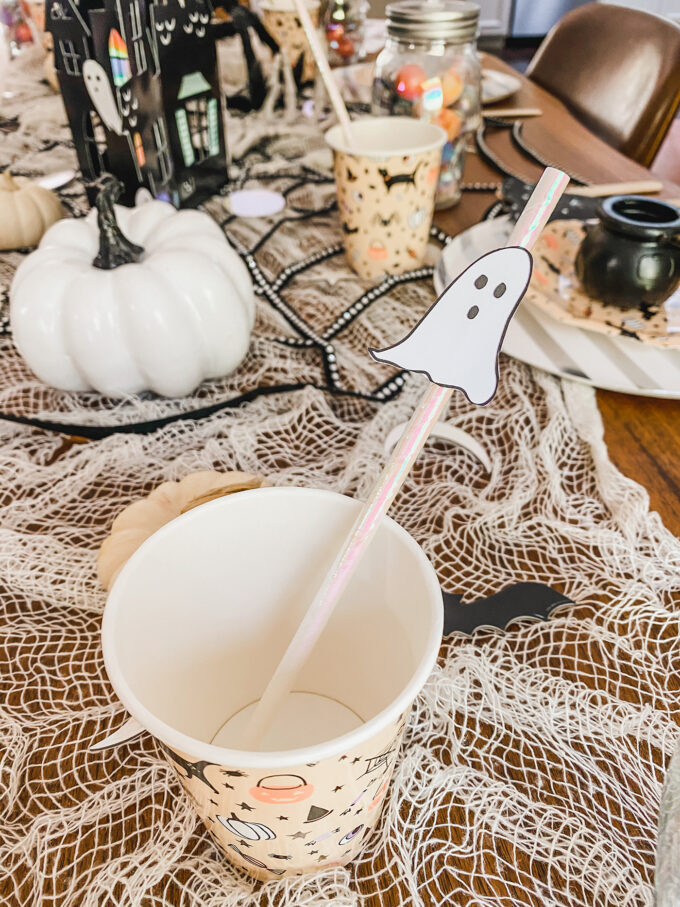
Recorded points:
(323, 342)
(291, 176)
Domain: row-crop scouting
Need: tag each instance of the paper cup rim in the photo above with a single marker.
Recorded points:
(219, 755)
(436, 137)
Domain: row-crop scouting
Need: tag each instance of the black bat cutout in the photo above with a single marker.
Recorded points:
(407, 178)
(500, 609)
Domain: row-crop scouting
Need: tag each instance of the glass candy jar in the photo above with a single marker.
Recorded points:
(345, 22)
(429, 68)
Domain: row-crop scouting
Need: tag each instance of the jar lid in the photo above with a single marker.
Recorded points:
(453, 21)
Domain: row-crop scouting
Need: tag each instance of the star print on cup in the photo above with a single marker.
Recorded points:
(281, 789)
(386, 198)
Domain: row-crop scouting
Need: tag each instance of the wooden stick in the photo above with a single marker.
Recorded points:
(512, 112)
(527, 229)
(600, 190)
(325, 71)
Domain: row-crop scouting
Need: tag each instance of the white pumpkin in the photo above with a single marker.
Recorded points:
(26, 211)
(49, 71)
(146, 298)
(253, 831)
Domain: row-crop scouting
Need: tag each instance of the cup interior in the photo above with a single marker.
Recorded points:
(202, 613)
(380, 138)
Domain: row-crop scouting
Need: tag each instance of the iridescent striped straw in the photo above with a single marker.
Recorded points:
(525, 233)
(325, 71)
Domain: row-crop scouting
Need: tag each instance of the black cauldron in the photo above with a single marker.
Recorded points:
(630, 258)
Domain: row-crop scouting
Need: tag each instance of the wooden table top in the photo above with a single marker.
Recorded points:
(642, 434)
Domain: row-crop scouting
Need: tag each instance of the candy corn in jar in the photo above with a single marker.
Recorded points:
(429, 68)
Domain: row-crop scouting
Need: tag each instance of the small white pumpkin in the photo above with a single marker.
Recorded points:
(26, 211)
(132, 299)
(142, 518)
(49, 71)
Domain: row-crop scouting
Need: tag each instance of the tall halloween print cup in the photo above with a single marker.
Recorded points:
(283, 24)
(194, 626)
(386, 187)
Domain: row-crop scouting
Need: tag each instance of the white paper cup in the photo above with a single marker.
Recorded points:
(193, 628)
(386, 187)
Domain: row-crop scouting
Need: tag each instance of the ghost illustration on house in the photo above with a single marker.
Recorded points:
(101, 95)
(457, 342)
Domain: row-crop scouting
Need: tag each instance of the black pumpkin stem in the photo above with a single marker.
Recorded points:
(115, 249)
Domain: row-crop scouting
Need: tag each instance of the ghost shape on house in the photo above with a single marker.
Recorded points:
(101, 95)
(457, 342)
(142, 94)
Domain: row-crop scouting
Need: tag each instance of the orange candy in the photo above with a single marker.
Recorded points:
(452, 87)
(408, 81)
(450, 122)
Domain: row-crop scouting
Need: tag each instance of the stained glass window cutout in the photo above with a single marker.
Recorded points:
(137, 38)
(70, 56)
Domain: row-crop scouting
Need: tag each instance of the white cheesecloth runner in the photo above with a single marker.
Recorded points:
(533, 761)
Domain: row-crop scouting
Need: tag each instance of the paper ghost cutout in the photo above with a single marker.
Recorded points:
(101, 95)
(456, 343)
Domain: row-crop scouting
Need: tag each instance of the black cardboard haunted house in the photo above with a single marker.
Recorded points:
(141, 89)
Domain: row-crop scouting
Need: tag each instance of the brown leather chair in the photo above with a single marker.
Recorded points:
(618, 72)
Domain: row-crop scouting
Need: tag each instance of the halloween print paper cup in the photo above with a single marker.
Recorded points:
(283, 24)
(194, 626)
(386, 187)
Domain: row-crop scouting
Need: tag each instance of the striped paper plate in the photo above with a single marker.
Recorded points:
(612, 363)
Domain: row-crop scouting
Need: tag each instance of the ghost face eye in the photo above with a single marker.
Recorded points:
(500, 289)
(481, 282)
(473, 312)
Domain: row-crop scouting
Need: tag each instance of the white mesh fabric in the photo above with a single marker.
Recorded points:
(533, 761)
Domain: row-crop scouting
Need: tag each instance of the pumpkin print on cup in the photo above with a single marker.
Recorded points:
(285, 27)
(253, 831)
(386, 185)
(386, 209)
(302, 819)
(282, 789)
